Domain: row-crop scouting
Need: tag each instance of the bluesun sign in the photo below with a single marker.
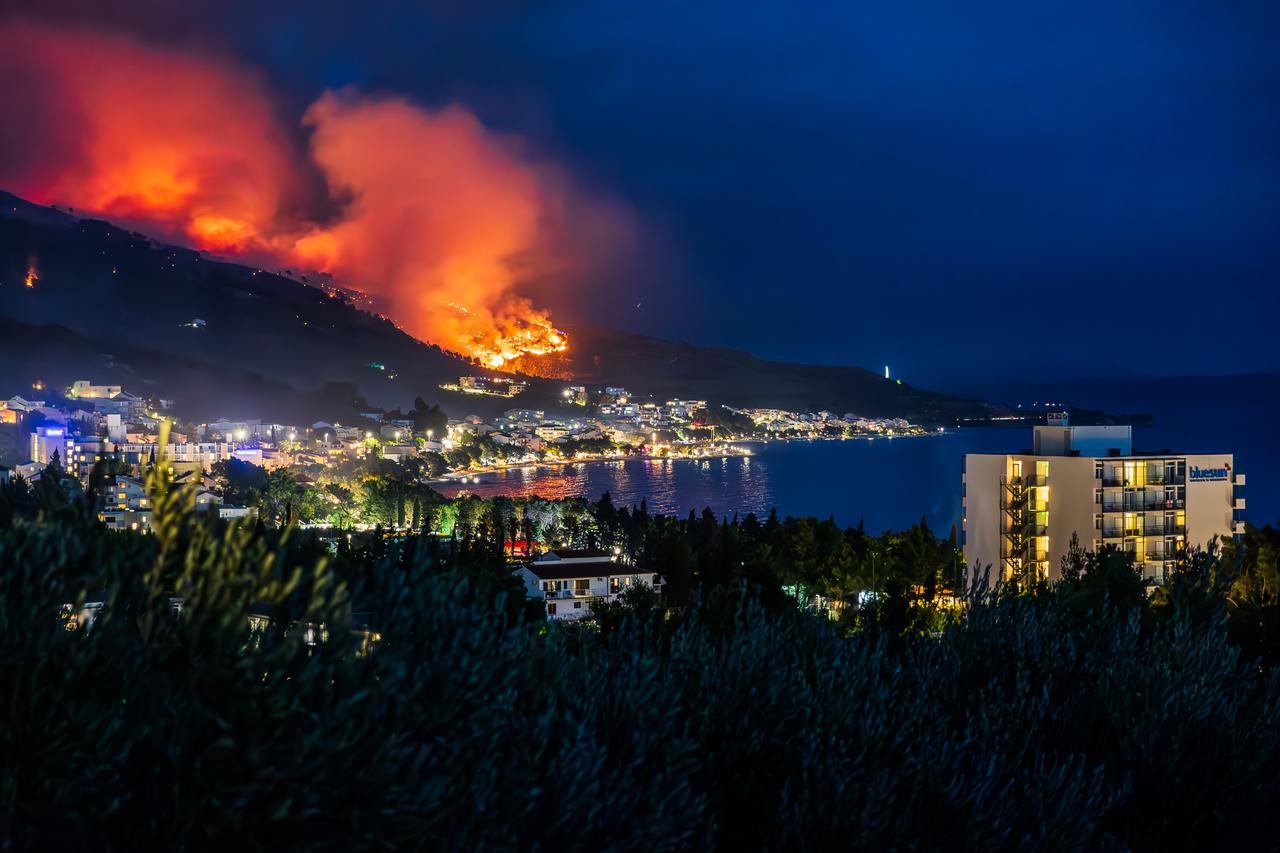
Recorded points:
(1207, 475)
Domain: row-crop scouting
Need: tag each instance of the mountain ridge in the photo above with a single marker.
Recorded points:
(117, 290)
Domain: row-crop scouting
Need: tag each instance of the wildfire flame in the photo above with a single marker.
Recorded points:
(436, 215)
(33, 276)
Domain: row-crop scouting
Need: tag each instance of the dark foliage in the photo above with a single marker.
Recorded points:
(438, 713)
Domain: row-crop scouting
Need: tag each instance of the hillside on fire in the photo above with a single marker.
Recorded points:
(82, 295)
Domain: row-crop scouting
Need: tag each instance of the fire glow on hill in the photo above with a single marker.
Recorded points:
(426, 209)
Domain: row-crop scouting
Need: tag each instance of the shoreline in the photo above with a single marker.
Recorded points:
(461, 478)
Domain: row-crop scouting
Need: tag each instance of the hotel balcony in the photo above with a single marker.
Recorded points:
(1146, 505)
(1116, 480)
(1154, 528)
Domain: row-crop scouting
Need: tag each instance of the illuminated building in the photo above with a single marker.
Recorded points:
(83, 389)
(498, 386)
(48, 440)
(1021, 510)
(550, 431)
(23, 405)
(570, 580)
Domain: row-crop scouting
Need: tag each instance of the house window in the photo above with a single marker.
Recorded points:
(582, 585)
(577, 605)
(551, 608)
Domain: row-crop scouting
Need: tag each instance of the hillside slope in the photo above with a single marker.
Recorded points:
(125, 306)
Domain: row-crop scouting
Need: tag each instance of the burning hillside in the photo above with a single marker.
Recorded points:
(430, 211)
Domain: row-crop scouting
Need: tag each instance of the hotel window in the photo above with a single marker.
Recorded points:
(1097, 496)
(1097, 470)
(1097, 521)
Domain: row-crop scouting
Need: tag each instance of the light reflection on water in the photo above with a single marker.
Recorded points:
(737, 484)
(887, 483)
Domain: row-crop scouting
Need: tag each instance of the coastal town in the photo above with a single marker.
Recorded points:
(319, 467)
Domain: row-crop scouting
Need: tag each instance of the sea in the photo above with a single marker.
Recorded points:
(892, 483)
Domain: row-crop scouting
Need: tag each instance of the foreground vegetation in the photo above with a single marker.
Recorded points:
(441, 712)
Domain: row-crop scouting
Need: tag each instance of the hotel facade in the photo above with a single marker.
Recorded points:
(1020, 510)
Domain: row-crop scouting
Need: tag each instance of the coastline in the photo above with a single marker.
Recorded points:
(462, 478)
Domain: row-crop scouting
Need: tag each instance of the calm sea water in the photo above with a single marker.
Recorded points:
(892, 483)
(886, 482)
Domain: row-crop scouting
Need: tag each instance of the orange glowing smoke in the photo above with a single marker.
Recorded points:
(185, 144)
(435, 214)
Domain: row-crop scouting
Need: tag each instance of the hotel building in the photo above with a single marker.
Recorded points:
(1020, 510)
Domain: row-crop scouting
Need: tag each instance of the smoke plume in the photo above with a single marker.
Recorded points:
(427, 209)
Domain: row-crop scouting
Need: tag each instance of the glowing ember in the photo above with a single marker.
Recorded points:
(532, 335)
(428, 210)
(33, 276)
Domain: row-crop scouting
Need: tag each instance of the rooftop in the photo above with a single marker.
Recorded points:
(580, 554)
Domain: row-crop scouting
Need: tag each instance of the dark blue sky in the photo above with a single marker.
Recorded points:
(962, 190)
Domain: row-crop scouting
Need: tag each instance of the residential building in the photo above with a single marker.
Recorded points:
(184, 457)
(1021, 510)
(83, 452)
(83, 389)
(570, 580)
(550, 431)
(22, 405)
(500, 386)
(130, 406)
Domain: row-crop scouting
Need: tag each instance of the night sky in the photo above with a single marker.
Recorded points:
(961, 190)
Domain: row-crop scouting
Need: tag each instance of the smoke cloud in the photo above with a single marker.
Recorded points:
(427, 209)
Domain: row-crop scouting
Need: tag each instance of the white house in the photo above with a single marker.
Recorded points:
(570, 580)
